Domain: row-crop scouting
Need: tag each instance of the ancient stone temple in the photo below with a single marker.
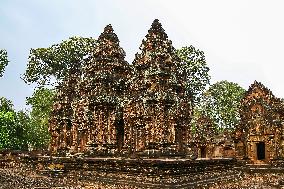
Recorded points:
(81, 121)
(224, 146)
(60, 123)
(260, 137)
(104, 82)
(204, 137)
(157, 113)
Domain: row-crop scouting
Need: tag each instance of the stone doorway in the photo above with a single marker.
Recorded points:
(260, 151)
(203, 152)
(119, 134)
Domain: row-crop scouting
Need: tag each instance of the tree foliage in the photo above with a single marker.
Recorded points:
(41, 102)
(196, 70)
(7, 123)
(46, 65)
(3, 61)
(12, 126)
(221, 103)
(23, 123)
(26, 130)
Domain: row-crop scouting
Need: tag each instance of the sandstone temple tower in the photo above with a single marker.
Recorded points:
(157, 113)
(60, 123)
(114, 108)
(104, 80)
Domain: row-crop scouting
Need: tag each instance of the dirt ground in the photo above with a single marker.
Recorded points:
(255, 180)
(11, 178)
(17, 177)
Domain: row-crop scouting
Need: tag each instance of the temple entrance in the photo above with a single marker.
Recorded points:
(260, 150)
(119, 134)
(178, 137)
(203, 152)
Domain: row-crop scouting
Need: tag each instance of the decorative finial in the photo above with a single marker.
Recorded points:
(108, 34)
(156, 27)
(156, 24)
(108, 29)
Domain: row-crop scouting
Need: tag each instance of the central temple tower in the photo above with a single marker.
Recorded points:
(158, 113)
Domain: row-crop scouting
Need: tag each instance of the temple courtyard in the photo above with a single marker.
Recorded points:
(129, 126)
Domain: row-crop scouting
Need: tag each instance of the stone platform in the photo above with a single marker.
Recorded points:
(147, 173)
(162, 166)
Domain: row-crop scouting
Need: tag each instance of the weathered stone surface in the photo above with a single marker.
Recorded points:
(115, 107)
(105, 75)
(111, 108)
(259, 137)
(60, 123)
(158, 113)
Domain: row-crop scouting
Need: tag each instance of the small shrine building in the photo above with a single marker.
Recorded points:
(259, 138)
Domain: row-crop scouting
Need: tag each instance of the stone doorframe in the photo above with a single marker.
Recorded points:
(258, 152)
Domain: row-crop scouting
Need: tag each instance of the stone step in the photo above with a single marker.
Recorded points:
(261, 168)
(189, 184)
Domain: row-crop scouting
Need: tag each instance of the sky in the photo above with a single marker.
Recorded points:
(242, 40)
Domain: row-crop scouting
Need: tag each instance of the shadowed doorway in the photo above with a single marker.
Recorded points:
(260, 150)
(203, 152)
(119, 133)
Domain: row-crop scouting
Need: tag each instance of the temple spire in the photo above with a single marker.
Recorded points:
(157, 103)
(108, 34)
(157, 30)
(156, 48)
(105, 75)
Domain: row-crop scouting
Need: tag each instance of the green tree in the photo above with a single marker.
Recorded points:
(196, 71)
(7, 130)
(23, 124)
(221, 103)
(52, 64)
(7, 122)
(3, 61)
(18, 123)
(11, 127)
(41, 102)
(6, 105)
(48, 66)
